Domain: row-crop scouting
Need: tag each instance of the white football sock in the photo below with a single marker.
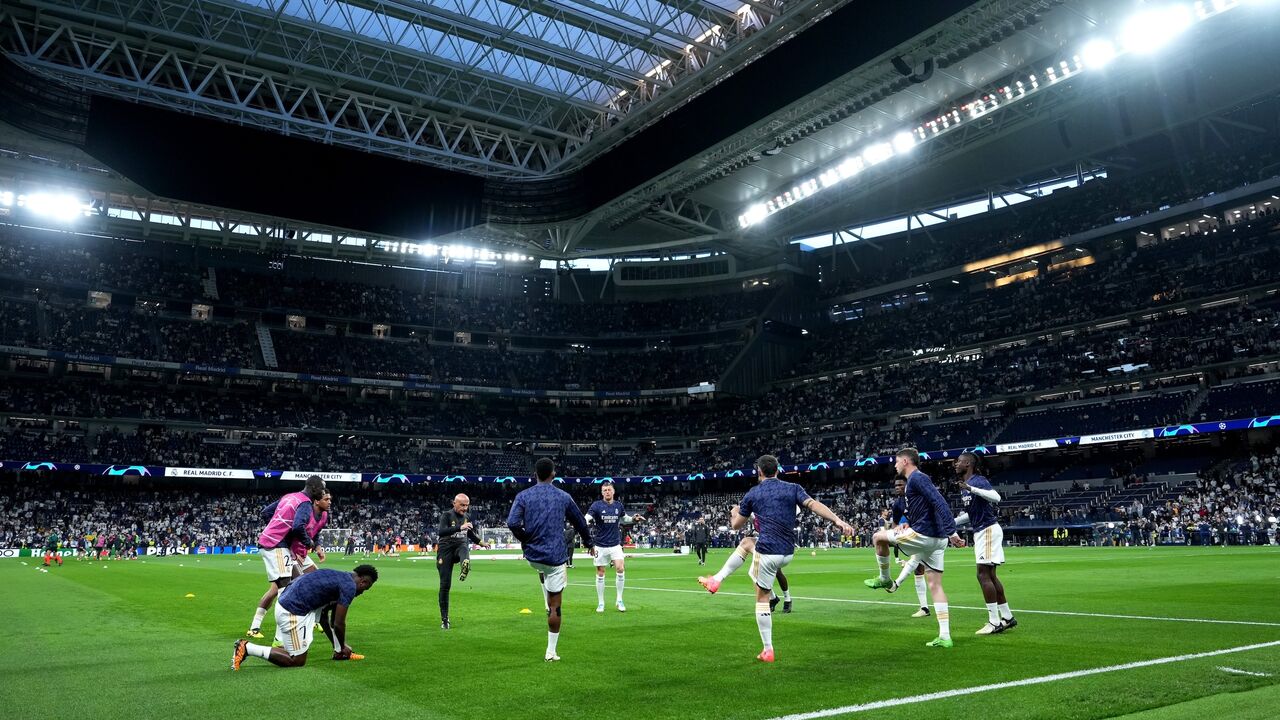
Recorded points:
(621, 580)
(764, 621)
(257, 618)
(993, 614)
(882, 561)
(922, 591)
(600, 590)
(944, 620)
(1005, 612)
(258, 651)
(909, 569)
(733, 563)
(552, 639)
(786, 596)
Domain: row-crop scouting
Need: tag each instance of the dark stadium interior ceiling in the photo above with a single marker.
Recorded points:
(596, 127)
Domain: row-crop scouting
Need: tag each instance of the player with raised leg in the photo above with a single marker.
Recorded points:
(931, 527)
(608, 517)
(537, 520)
(988, 541)
(898, 521)
(456, 535)
(773, 502)
(746, 548)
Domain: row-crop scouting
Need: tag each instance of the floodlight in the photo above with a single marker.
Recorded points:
(878, 153)
(1098, 53)
(56, 206)
(851, 166)
(903, 142)
(1150, 30)
(754, 214)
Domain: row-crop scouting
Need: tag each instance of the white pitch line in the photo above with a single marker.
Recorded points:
(1238, 671)
(1210, 621)
(896, 702)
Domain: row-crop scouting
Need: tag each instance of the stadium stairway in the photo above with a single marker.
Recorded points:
(990, 439)
(42, 325)
(266, 345)
(1193, 405)
(773, 347)
(210, 284)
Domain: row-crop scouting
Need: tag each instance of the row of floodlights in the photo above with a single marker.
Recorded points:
(1146, 32)
(56, 206)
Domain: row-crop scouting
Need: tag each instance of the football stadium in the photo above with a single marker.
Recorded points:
(630, 359)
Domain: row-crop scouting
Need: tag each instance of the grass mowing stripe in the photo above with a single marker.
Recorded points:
(913, 699)
(1067, 613)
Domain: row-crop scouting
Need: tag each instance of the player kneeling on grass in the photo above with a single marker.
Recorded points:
(302, 562)
(931, 527)
(287, 520)
(314, 596)
(774, 503)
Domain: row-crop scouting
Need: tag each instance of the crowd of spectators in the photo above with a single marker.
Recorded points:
(18, 323)
(177, 274)
(493, 366)
(1172, 271)
(1236, 502)
(515, 315)
(97, 264)
(1097, 203)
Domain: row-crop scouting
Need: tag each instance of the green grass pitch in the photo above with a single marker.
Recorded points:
(84, 641)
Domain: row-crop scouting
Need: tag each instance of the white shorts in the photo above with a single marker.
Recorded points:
(765, 568)
(308, 563)
(927, 549)
(279, 562)
(294, 631)
(556, 576)
(608, 555)
(988, 545)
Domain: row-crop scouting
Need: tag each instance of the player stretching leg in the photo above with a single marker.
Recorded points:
(988, 541)
(51, 549)
(536, 519)
(931, 526)
(286, 521)
(746, 548)
(774, 503)
(608, 517)
(300, 607)
(898, 520)
(456, 535)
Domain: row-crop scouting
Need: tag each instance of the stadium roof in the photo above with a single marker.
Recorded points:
(500, 88)
(602, 127)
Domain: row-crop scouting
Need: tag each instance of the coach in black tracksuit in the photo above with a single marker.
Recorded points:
(699, 539)
(456, 535)
(571, 542)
